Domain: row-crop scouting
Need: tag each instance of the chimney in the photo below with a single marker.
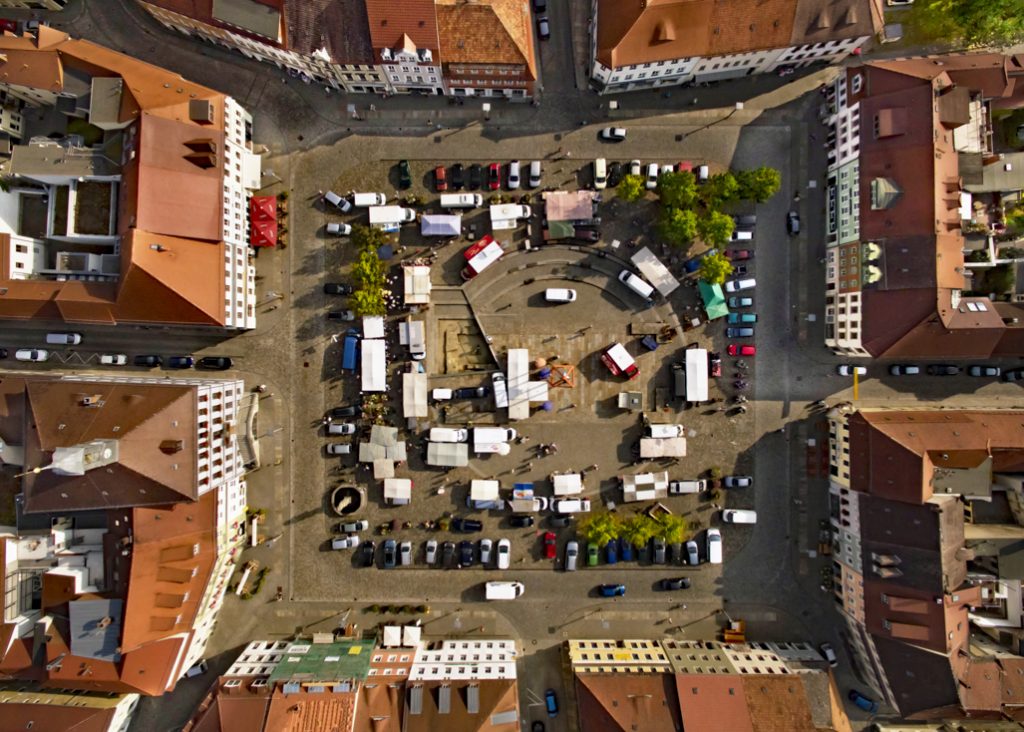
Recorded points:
(169, 447)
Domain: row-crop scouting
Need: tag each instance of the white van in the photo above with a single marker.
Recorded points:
(441, 395)
(500, 392)
(703, 173)
(636, 284)
(369, 199)
(461, 200)
(664, 431)
(559, 294)
(742, 235)
(679, 487)
(63, 339)
(600, 173)
(503, 590)
(737, 516)
(714, 546)
(385, 215)
(571, 505)
(448, 434)
(493, 434)
(737, 285)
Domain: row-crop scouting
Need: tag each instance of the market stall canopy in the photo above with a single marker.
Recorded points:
(448, 454)
(570, 205)
(417, 284)
(714, 300)
(263, 233)
(383, 468)
(653, 447)
(644, 486)
(440, 225)
(375, 366)
(567, 484)
(414, 395)
(373, 326)
(483, 490)
(522, 391)
(398, 490)
(655, 272)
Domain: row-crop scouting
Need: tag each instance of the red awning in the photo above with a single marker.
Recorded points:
(263, 208)
(263, 234)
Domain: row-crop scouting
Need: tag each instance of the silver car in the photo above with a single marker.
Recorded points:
(572, 551)
(485, 551)
(659, 551)
(405, 553)
(692, 553)
(431, 556)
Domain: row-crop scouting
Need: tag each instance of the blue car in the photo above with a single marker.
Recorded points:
(692, 265)
(551, 702)
(625, 550)
(612, 590)
(610, 554)
(742, 318)
(868, 705)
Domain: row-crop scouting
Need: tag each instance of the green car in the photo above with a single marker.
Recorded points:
(592, 554)
(404, 174)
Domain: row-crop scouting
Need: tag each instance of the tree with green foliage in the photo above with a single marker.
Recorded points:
(368, 301)
(715, 268)
(368, 270)
(715, 228)
(719, 188)
(678, 226)
(677, 190)
(598, 528)
(758, 184)
(973, 23)
(367, 237)
(673, 529)
(630, 188)
(639, 529)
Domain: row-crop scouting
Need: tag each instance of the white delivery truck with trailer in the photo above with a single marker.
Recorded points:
(385, 216)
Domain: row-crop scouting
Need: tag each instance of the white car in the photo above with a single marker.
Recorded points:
(846, 369)
(737, 285)
(652, 177)
(513, 175)
(431, 555)
(485, 551)
(714, 546)
(504, 553)
(666, 169)
(613, 134)
(339, 448)
(32, 354)
(634, 167)
(113, 359)
(341, 428)
(405, 553)
(692, 553)
(339, 229)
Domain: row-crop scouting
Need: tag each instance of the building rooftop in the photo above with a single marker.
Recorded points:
(305, 662)
(409, 25)
(488, 32)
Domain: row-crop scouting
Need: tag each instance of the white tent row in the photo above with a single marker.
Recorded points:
(375, 366)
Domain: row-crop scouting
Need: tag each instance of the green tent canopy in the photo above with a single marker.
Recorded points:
(714, 300)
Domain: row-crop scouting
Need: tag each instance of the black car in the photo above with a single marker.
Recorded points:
(214, 363)
(458, 177)
(390, 554)
(615, 173)
(943, 369)
(466, 525)
(448, 554)
(3, 353)
(404, 174)
(793, 223)
(336, 288)
(148, 361)
(558, 521)
(180, 362)
(675, 583)
(539, 6)
(471, 393)
(520, 521)
(466, 553)
(476, 176)
(343, 412)
(1013, 375)
(343, 315)
(367, 550)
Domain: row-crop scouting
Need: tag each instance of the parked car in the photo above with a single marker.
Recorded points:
(634, 167)
(405, 553)
(559, 521)
(739, 332)
(339, 448)
(466, 553)
(32, 354)
(551, 702)
(352, 527)
(984, 370)
(734, 349)
(448, 555)
(514, 175)
(572, 552)
(739, 255)
(475, 392)
(651, 180)
(504, 553)
(535, 174)
(625, 550)
(737, 318)
(458, 177)
(494, 176)
(611, 590)
(520, 521)
(793, 223)
(390, 554)
(485, 551)
(738, 481)
(847, 369)
(675, 583)
(714, 539)
(431, 553)
(613, 134)
(611, 552)
(107, 359)
(337, 288)
(341, 428)
(1013, 375)
(740, 302)
(343, 412)
(868, 705)
(214, 363)
(738, 285)
(466, 525)
(942, 369)
(692, 553)
(829, 654)
(336, 229)
(440, 179)
(593, 554)
(148, 361)
(658, 545)
(550, 545)
(343, 315)
(904, 369)
(539, 6)
(367, 552)
(404, 174)
(543, 28)
(615, 173)
(476, 176)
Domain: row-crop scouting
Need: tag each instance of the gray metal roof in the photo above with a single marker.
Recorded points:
(96, 628)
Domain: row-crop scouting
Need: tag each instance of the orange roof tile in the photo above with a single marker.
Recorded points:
(396, 23)
(490, 32)
(711, 703)
(307, 711)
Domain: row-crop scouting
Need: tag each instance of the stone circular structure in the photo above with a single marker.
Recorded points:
(347, 499)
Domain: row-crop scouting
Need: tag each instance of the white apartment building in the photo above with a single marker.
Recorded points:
(458, 659)
(674, 43)
(242, 171)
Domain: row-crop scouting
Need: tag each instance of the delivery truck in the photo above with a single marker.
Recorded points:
(503, 590)
(390, 216)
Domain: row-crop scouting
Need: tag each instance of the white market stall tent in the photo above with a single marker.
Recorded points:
(375, 366)
(398, 491)
(567, 484)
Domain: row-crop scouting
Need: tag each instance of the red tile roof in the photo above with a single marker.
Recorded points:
(393, 22)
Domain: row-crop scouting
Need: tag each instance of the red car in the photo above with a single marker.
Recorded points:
(737, 350)
(494, 176)
(440, 178)
(550, 547)
(738, 255)
(680, 167)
